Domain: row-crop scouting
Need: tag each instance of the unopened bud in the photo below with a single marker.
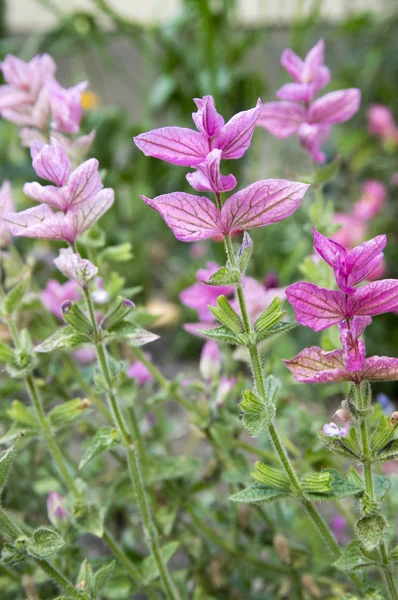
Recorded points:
(343, 414)
(66, 306)
(310, 585)
(394, 418)
(282, 548)
(55, 509)
(210, 360)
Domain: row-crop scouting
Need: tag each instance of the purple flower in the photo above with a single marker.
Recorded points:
(6, 207)
(55, 509)
(210, 360)
(310, 121)
(140, 372)
(186, 147)
(333, 430)
(56, 293)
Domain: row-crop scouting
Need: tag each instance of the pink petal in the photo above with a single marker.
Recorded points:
(50, 161)
(316, 307)
(311, 137)
(41, 222)
(207, 119)
(313, 62)
(235, 136)
(208, 177)
(262, 203)
(335, 107)
(380, 368)
(84, 182)
(6, 207)
(191, 218)
(176, 145)
(314, 365)
(354, 349)
(327, 248)
(296, 92)
(86, 213)
(49, 194)
(374, 299)
(363, 259)
(292, 63)
(282, 118)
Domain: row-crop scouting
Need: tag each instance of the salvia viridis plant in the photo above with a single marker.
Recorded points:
(118, 482)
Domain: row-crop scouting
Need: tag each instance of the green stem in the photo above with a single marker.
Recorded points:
(280, 450)
(369, 487)
(133, 458)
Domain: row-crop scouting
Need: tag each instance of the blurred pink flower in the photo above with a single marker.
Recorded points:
(210, 360)
(55, 293)
(138, 371)
(66, 106)
(225, 385)
(55, 508)
(381, 122)
(6, 207)
(372, 200)
(85, 355)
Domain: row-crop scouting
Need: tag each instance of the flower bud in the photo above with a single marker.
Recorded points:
(210, 360)
(342, 413)
(282, 548)
(224, 387)
(66, 306)
(74, 267)
(55, 509)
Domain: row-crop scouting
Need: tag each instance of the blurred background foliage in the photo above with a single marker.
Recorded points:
(142, 76)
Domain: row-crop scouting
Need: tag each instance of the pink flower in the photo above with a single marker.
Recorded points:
(210, 360)
(297, 115)
(309, 74)
(24, 97)
(56, 293)
(66, 106)
(208, 178)
(352, 231)
(55, 508)
(226, 384)
(199, 296)
(85, 355)
(381, 122)
(350, 308)
(333, 430)
(372, 201)
(338, 525)
(189, 148)
(6, 207)
(80, 196)
(140, 372)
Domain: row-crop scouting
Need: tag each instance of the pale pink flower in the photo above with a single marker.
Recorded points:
(66, 106)
(55, 508)
(210, 360)
(85, 355)
(138, 371)
(225, 386)
(381, 122)
(74, 267)
(372, 200)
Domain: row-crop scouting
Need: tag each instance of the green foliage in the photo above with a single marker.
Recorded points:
(105, 439)
(66, 337)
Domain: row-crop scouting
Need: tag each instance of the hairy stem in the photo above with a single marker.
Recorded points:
(387, 568)
(134, 460)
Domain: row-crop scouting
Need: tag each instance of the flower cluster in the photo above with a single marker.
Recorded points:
(297, 113)
(351, 308)
(78, 196)
(33, 99)
(194, 218)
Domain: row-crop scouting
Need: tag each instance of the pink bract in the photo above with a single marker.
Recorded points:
(6, 207)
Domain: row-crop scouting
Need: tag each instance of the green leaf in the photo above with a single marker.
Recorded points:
(163, 468)
(244, 253)
(105, 439)
(15, 296)
(383, 434)
(88, 517)
(118, 312)
(132, 333)
(371, 531)
(75, 317)
(340, 487)
(63, 414)
(257, 492)
(6, 460)
(353, 559)
(224, 276)
(272, 478)
(66, 337)
(115, 368)
(101, 577)
(223, 334)
(226, 315)
(280, 328)
(270, 316)
(149, 568)
(256, 414)
(389, 452)
(85, 577)
(117, 254)
(317, 483)
(381, 486)
(44, 542)
(6, 353)
(21, 413)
